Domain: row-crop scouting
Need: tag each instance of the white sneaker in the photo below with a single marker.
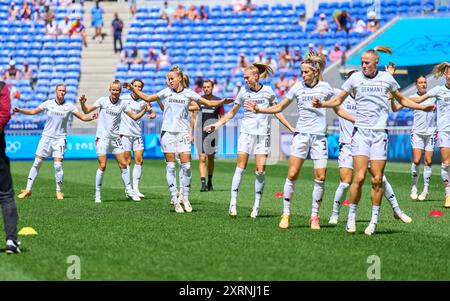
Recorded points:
(178, 208)
(98, 200)
(413, 194)
(232, 211)
(423, 196)
(255, 212)
(370, 229)
(403, 217)
(133, 196)
(139, 194)
(180, 198)
(333, 219)
(187, 206)
(351, 226)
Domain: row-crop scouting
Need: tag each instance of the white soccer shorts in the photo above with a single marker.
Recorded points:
(370, 143)
(423, 142)
(444, 139)
(345, 158)
(104, 146)
(173, 142)
(316, 145)
(54, 147)
(132, 143)
(254, 144)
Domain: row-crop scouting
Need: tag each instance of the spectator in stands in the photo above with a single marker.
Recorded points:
(49, 15)
(259, 58)
(164, 58)
(153, 58)
(237, 89)
(310, 51)
(97, 21)
(324, 55)
(373, 23)
(281, 85)
(359, 25)
(217, 89)
(179, 13)
(297, 58)
(12, 72)
(192, 13)
(167, 13)
(136, 56)
(51, 29)
(117, 27)
(133, 6)
(79, 29)
(198, 86)
(343, 20)
(242, 63)
(285, 58)
(203, 13)
(65, 3)
(27, 74)
(271, 63)
(249, 7)
(322, 25)
(228, 87)
(238, 5)
(2, 74)
(25, 12)
(125, 58)
(13, 12)
(64, 26)
(292, 81)
(336, 53)
(36, 15)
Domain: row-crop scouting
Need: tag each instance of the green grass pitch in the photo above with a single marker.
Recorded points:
(125, 240)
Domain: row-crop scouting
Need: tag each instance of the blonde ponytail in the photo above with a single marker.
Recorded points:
(316, 63)
(376, 49)
(184, 77)
(439, 70)
(263, 70)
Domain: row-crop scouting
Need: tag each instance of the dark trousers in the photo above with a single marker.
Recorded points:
(117, 38)
(10, 216)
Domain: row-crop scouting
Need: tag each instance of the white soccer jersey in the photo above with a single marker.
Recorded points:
(441, 95)
(424, 122)
(128, 126)
(311, 120)
(345, 126)
(58, 116)
(256, 123)
(176, 109)
(109, 117)
(372, 103)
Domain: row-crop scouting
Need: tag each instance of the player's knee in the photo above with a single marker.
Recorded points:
(123, 165)
(58, 166)
(37, 163)
(292, 175)
(416, 161)
(320, 178)
(202, 158)
(170, 166)
(376, 180)
(260, 169)
(359, 180)
(138, 161)
(428, 162)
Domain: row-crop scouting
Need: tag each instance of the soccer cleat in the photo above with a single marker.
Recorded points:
(203, 189)
(210, 186)
(139, 194)
(24, 194)
(370, 230)
(133, 196)
(255, 212)
(314, 223)
(178, 208)
(423, 196)
(59, 195)
(333, 219)
(403, 217)
(413, 194)
(98, 200)
(351, 226)
(447, 201)
(180, 198)
(187, 206)
(232, 211)
(284, 223)
(12, 247)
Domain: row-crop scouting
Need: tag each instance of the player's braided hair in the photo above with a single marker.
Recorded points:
(184, 77)
(439, 70)
(316, 63)
(263, 70)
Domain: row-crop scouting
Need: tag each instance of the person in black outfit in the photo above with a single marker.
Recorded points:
(206, 146)
(10, 216)
(117, 27)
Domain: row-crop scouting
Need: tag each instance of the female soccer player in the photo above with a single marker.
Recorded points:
(441, 96)
(310, 134)
(108, 139)
(175, 129)
(254, 137)
(130, 132)
(423, 138)
(370, 137)
(53, 141)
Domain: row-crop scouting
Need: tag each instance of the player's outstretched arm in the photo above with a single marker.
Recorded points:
(409, 103)
(334, 102)
(28, 112)
(341, 112)
(86, 109)
(285, 122)
(151, 113)
(251, 106)
(84, 117)
(394, 105)
(215, 103)
(137, 116)
(140, 94)
(193, 107)
(212, 127)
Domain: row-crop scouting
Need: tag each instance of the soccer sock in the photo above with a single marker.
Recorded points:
(237, 177)
(259, 187)
(125, 173)
(59, 175)
(414, 174)
(445, 177)
(375, 213)
(172, 181)
(317, 195)
(427, 172)
(186, 180)
(33, 173)
(180, 178)
(390, 196)
(339, 196)
(352, 212)
(210, 179)
(98, 181)
(137, 172)
(288, 192)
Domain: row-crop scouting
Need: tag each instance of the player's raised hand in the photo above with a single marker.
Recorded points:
(228, 100)
(210, 128)
(391, 68)
(83, 99)
(16, 110)
(429, 108)
(250, 106)
(316, 103)
(94, 116)
(127, 86)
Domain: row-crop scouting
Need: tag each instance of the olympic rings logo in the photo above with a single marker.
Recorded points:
(13, 147)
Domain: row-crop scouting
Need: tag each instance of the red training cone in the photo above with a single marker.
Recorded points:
(279, 194)
(346, 203)
(436, 213)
